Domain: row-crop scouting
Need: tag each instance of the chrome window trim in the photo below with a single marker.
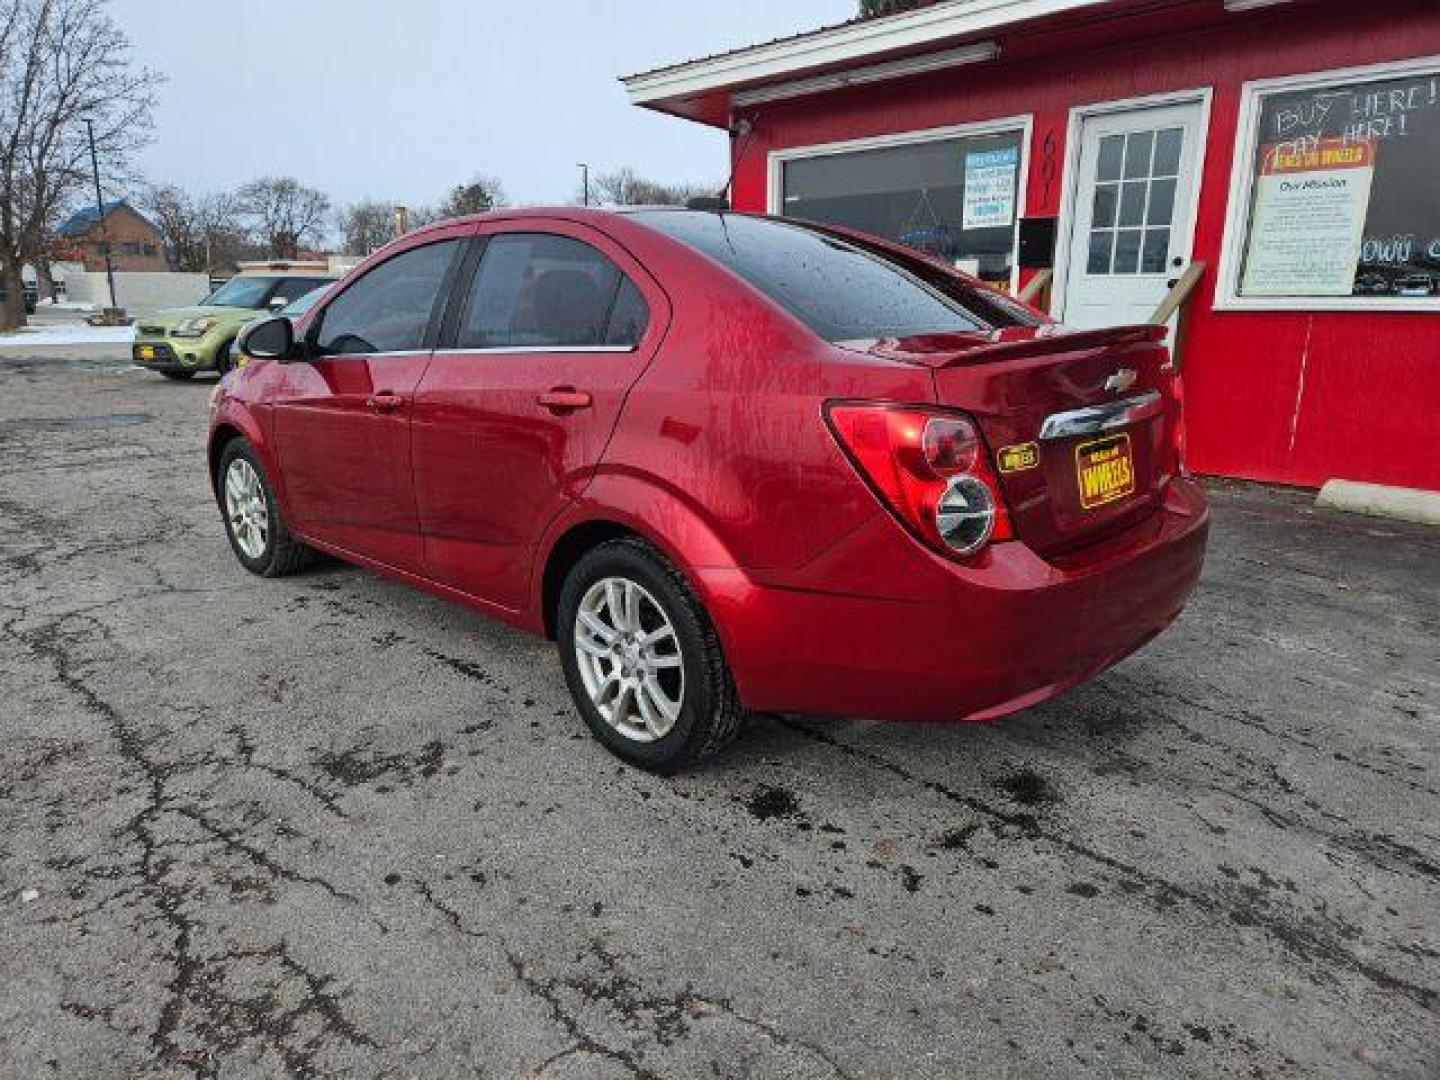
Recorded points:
(1097, 418)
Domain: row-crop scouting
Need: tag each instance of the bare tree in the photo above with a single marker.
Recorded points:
(61, 62)
(284, 213)
(202, 233)
(626, 187)
(366, 226)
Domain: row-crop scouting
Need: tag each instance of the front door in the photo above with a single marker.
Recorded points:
(1136, 184)
(341, 419)
(513, 415)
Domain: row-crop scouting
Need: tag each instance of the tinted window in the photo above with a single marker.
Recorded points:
(841, 291)
(240, 292)
(389, 309)
(630, 316)
(292, 289)
(536, 290)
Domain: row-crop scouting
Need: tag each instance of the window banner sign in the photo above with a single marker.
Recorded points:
(1308, 223)
(989, 201)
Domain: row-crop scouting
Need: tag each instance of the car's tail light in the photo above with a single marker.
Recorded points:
(930, 468)
(1177, 429)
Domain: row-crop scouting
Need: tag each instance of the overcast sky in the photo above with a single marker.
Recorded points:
(397, 101)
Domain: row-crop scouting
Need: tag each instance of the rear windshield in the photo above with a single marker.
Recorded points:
(842, 291)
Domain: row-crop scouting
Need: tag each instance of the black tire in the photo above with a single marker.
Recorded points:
(225, 357)
(710, 714)
(282, 553)
(179, 376)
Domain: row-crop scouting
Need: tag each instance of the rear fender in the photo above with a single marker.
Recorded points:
(664, 517)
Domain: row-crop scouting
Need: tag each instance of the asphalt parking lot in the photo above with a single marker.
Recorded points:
(330, 826)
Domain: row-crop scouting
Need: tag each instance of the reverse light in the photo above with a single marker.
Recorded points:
(930, 468)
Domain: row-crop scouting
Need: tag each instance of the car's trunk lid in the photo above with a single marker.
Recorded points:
(1080, 423)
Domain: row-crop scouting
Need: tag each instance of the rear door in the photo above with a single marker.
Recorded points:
(341, 419)
(551, 329)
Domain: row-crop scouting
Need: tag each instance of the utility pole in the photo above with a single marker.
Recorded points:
(100, 209)
(585, 182)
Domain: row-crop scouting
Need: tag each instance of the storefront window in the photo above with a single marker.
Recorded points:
(955, 197)
(1338, 193)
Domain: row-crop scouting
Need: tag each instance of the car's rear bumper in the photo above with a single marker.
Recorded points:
(932, 640)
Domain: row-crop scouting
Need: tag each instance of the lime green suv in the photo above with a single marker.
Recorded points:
(181, 341)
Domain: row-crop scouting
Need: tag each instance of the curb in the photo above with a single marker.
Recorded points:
(1377, 500)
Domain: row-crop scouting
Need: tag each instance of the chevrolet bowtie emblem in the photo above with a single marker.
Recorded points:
(1121, 381)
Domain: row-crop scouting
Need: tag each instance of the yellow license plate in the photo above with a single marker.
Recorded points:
(1105, 469)
(147, 352)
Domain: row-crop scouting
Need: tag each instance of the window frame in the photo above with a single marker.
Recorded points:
(1023, 123)
(1242, 189)
(462, 242)
(462, 289)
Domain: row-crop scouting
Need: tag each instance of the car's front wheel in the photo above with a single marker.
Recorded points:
(253, 521)
(642, 659)
(225, 357)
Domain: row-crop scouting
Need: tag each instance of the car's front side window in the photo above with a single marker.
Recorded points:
(540, 290)
(389, 308)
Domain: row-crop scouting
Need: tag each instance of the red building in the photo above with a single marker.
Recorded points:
(1291, 146)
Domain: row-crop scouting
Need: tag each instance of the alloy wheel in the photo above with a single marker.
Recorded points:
(629, 659)
(246, 509)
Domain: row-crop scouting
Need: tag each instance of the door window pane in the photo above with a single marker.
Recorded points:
(539, 290)
(1127, 251)
(1101, 242)
(1112, 150)
(1167, 152)
(952, 198)
(1132, 203)
(1137, 154)
(1162, 202)
(1106, 197)
(389, 308)
(1156, 247)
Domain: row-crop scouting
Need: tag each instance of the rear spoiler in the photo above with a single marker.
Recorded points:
(1014, 343)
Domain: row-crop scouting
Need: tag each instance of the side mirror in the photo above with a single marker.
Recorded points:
(270, 339)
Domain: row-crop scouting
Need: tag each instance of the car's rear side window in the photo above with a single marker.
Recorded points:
(542, 290)
(842, 291)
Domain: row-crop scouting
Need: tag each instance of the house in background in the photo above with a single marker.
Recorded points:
(135, 244)
(1287, 150)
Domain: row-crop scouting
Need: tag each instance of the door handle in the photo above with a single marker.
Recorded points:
(384, 402)
(565, 399)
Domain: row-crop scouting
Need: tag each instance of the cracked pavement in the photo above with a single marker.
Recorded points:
(330, 826)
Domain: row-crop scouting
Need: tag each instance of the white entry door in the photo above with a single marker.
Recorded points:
(1134, 213)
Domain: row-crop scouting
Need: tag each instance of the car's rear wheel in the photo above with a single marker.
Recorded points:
(178, 376)
(253, 521)
(642, 659)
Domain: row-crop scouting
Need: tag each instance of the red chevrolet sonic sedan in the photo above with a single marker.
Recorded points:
(730, 463)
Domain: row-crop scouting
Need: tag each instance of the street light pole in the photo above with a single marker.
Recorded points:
(585, 182)
(100, 209)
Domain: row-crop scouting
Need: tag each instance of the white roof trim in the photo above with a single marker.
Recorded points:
(840, 45)
(871, 73)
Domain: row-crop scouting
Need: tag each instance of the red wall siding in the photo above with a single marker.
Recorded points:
(1294, 397)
